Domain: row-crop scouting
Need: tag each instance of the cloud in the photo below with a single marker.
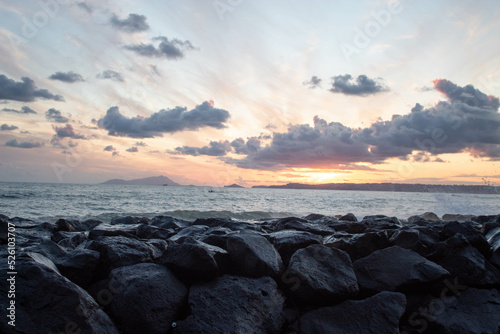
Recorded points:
(215, 149)
(252, 145)
(68, 77)
(86, 7)
(448, 127)
(170, 49)
(109, 148)
(468, 94)
(6, 127)
(164, 121)
(362, 86)
(141, 143)
(133, 149)
(67, 131)
(54, 115)
(15, 143)
(24, 110)
(110, 74)
(115, 154)
(24, 90)
(133, 23)
(314, 82)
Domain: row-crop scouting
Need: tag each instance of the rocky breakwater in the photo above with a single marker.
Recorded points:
(315, 274)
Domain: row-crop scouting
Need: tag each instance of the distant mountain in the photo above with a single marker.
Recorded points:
(234, 185)
(147, 181)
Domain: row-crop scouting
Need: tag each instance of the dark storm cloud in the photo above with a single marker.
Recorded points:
(421, 135)
(54, 115)
(467, 94)
(15, 143)
(133, 23)
(68, 77)
(164, 121)
(133, 149)
(24, 110)
(362, 86)
(170, 49)
(314, 82)
(110, 74)
(6, 127)
(215, 149)
(85, 7)
(109, 148)
(67, 131)
(24, 90)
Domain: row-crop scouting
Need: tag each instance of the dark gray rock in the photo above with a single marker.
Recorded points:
(470, 230)
(320, 275)
(493, 238)
(65, 225)
(147, 298)
(377, 314)
(128, 220)
(108, 230)
(217, 236)
(69, 239)
(153, 232)
(381, 222)
(167, 222)
(395, 268)
(411, 239)
(473, 311)
(457, 217)
(350, 217)
(299, 224)
(428, 216)
(32, 234)
(358, 245)
(194, 232)
(465, 262)
(194, 260)
(253, 255)
(287, 242)
(232, 304)
(47, 302)
(78, 265)
(120, 251)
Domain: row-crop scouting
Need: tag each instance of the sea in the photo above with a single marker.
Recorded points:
(46, 202)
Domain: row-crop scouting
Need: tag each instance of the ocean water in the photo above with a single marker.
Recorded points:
(49, 202)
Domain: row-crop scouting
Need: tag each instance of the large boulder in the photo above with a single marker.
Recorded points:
(377, 314)
(410, 238)
(194, 260)
(471, 231)
(47, 302)
(493, 238)
(153, 232)
(472, 311)
(395, 268)
(128, 220)
(69, 239)
(195, 232)
(147, 299)
(232, 304)
(465, 262)
(381, 222)
(167, 222)
(298, 224)
(114, 230)
(120, 251)
(358, 245)
(320, 275)
(287, 242)
(253, 255)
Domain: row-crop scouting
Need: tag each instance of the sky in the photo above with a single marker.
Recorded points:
(250, 92)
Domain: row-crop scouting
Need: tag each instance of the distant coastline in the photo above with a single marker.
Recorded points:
(398, 187)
